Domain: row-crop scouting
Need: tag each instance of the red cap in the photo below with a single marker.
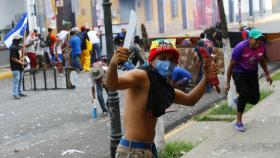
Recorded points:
(83, 28)
(162, 46)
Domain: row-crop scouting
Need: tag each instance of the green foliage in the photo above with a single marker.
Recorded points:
(276, 76)
(223, 109)
(175, 149)
(208, 118)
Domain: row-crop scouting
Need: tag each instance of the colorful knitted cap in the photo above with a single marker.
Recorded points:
(163, 46)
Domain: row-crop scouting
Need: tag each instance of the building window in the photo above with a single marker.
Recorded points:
(174, 8)
(148, 10)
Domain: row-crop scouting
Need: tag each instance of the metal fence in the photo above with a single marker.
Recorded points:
(47, 79)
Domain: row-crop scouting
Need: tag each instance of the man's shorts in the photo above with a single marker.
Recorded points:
(132, 149)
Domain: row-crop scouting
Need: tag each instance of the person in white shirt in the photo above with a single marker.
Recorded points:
(30, 48)
(58, 49)
(96, 47)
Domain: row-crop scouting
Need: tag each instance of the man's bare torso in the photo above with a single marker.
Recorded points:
(138, 125)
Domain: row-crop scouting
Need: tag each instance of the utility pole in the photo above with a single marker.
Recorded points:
(226, 49)
(239, 11)
(113, 98)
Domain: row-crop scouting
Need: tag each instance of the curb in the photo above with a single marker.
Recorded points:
(7, 74)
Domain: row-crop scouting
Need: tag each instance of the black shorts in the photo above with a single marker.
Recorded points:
(247, 86)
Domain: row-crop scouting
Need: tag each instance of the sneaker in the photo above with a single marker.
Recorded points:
(239, 127)
(16, 97)
(22, 95)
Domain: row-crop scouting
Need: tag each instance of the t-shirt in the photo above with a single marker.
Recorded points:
(61, 37)
(58, 46)
(93, 37)
(14, 53)
(32, 41)
(180, 73)
(75, 44)
(40, 45)
(247, 58)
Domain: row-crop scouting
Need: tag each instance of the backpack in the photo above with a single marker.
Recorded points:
(83, 38)
(48, 41)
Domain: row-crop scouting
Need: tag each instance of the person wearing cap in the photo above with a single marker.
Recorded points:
(50, 40)
(148, 95)
(181, 78)
(243, 68)
(97, 74)
(17, 65)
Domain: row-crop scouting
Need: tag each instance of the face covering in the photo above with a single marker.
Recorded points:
(164, 68)
(16, 42)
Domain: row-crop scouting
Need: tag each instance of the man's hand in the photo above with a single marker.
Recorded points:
(21, 62)
(268, 79)
(209, 69)
(120, 55)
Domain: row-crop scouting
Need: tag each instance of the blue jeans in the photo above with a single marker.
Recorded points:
(17, 78)
(99, 91)
(97, 48)
(76, 61)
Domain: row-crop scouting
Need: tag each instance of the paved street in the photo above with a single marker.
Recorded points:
(46, 123)
(50, 123)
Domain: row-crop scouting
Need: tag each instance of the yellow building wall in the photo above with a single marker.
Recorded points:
(115, 9)
(173, 26)
(85, 17)
(168, 11)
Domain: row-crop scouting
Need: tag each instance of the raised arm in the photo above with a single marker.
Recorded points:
(190, 99)
(131, 79)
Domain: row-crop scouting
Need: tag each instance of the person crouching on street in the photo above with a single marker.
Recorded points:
(97, 74)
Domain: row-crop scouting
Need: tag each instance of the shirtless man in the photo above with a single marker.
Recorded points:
(148, 95)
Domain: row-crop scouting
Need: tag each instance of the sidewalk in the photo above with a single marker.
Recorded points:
(221, 140)
(5, 72)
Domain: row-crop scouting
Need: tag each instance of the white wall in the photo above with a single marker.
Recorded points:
(9, 8)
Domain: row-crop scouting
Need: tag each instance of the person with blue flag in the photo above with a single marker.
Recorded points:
(12, 41)
(17, 65)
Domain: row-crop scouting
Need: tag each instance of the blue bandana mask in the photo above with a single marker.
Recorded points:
(164, 68)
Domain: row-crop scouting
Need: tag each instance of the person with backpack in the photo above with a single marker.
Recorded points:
(50, 40)
(39, 47)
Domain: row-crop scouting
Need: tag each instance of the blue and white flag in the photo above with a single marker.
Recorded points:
(18, 30)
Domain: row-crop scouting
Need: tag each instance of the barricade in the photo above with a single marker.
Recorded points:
(47, 79)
